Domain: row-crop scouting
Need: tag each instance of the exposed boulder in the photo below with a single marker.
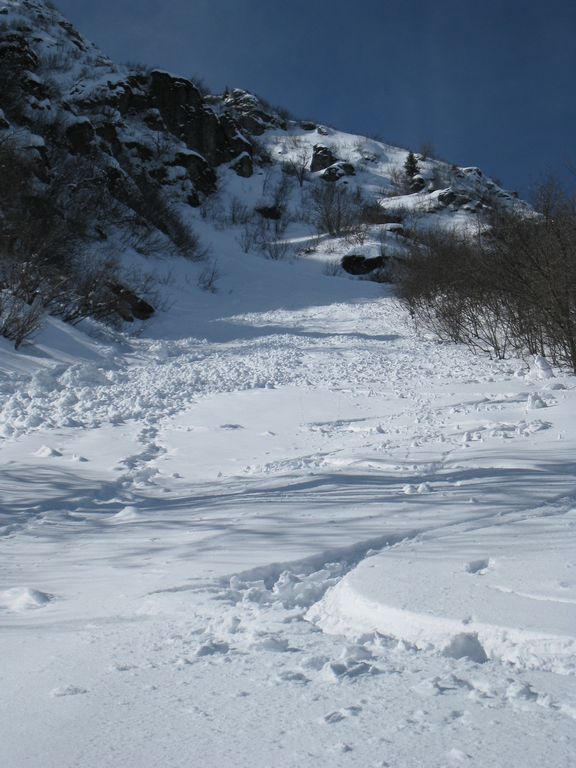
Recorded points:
(174, 97)
(16, 53)
(417, 183)
(322, 158)
(129, 306)
(108, 132)
(337, 171)
(360, 265)
(80, 137)
(243, 165)
(273, 212)
(140, 149)
(447, 196)
(251, 114)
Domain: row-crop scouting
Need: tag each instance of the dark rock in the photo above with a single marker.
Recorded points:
(322, 130)
(174, 97)
(337, 171)
(73, 34)
(447, 197)
(250, 113)
(33, 86)
(153, 120)
(198, 169)
(322, 157)
(243, 165)
(417, 183)
(129, 305)
(16, 54)
(144, 152)
(273, 212)
(108, 133)
(360, 265)
(307, 125)
(80, 137)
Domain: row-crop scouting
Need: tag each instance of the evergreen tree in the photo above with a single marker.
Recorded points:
(411, 166)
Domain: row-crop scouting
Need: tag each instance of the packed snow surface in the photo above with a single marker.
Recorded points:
(309, 536)
(276, 525)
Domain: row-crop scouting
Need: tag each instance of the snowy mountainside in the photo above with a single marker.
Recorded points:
(272, 524)
(164, 168)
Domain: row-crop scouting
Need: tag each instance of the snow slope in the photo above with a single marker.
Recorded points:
(276, 525)
(314, 538)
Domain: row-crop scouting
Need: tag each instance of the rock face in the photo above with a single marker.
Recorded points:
(94, 143)
(132, 119)
(129, 305)
(250, 113)
(322, 158)
(80, 136)
(243, 165)
(360, 265)
(337, 171)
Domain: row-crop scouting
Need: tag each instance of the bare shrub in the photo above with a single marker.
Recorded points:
(240, 213)
(332, 268)
(331, 208)
(209, 276)
(148, 200)
(511, 288)
(250, 236)
(298, 165)
(19, 321)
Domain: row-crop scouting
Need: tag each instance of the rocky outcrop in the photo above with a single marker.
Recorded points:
(337, 171)
(128, 305)
(322, 158)
(250, 112)
(272, 212)
(243, 165)
(80, 137)
(16, 53)
(360, 265)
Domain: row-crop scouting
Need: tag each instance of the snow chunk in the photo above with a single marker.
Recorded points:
(46, 452)
(515, 606)
(19, 599)
(542, 368)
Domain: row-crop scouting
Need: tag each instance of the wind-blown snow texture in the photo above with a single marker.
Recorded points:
(279, 527)
(321, 540)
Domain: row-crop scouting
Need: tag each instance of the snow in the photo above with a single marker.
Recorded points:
(314, 537)
(276, 524)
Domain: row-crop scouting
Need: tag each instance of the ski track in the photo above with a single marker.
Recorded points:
(364, 700)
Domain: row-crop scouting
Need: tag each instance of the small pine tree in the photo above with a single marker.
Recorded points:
(411, 166)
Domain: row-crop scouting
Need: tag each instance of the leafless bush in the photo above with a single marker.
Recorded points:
(331, 208)
(148, 200)
(266, 236)
(240, 213)
(260, 152)
(400, 181)
(332, 268)
(208, 278)
(298, 166)
(277, 249)
(59, 59)
(19, 321)
(357, 234)
(511, 288)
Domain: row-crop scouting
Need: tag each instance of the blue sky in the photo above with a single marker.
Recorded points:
(488, 82)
